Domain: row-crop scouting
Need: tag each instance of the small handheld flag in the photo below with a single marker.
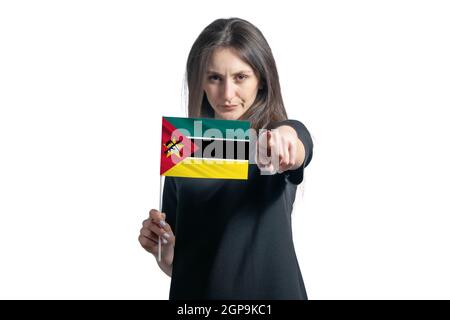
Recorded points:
(203, 148)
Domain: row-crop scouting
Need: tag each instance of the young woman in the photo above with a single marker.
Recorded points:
(234, 237)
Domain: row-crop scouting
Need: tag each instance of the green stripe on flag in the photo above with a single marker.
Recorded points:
(216, 125)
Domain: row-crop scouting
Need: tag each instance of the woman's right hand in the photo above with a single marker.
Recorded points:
(153, 228)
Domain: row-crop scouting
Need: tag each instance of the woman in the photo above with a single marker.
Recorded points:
(234, 237)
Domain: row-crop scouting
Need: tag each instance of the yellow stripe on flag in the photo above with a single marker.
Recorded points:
(209, 168)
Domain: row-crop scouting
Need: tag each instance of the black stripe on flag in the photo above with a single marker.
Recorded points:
(221, 149)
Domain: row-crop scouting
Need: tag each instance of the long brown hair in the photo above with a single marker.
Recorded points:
(251, 46)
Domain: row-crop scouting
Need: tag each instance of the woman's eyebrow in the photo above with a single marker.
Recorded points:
(236, 73)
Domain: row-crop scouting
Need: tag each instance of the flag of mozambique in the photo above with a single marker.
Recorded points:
(205, 148)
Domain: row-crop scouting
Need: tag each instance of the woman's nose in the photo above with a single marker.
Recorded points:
(229, 90)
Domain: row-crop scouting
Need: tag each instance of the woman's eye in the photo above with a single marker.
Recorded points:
(239, 77)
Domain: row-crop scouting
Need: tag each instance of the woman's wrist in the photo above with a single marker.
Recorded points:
(165, 267)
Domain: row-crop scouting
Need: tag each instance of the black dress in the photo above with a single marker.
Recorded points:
(234, 237)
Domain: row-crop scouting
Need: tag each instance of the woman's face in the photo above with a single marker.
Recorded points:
(230, 84)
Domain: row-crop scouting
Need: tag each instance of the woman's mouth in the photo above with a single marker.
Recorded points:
(229, 106)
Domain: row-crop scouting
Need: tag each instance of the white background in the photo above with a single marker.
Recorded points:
(83, 86)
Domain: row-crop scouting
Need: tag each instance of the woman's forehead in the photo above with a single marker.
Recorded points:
(226, 60)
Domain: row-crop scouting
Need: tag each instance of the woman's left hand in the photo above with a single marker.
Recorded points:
(279, 150)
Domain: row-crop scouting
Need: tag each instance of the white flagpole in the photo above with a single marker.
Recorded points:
(160, 208)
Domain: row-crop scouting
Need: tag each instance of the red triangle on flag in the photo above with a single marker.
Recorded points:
(175, 146)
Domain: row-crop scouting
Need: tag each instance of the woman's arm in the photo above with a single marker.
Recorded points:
(167, 269)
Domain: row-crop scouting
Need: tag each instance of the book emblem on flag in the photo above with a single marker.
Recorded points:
(205, 148)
